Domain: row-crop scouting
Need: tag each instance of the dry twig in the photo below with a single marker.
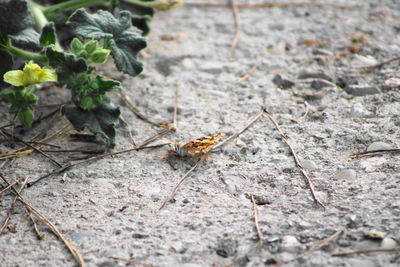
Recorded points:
(296, 159)
(364, 252)
(374, 153)
(318, 245)
(10, 210)
(236, 15)
(247, 75)
(78, 257)
(171, 196)
(378, 65)
(249, 124)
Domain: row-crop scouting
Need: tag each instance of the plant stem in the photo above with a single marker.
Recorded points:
(37, 12)
(22, 53)
(73, 4)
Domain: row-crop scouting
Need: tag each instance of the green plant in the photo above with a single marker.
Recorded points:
(28, 31)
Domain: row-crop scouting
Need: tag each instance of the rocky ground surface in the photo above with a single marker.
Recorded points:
(303, 65)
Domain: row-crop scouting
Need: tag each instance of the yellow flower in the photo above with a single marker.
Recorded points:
(31, 74)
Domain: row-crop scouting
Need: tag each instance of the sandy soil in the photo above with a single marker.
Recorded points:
(303, 65)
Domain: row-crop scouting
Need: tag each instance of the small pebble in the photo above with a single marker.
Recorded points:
(379, 146)
(388, 243)
(361, 89)
(392, 82)
(359, 111)
(308, 164)
(282, 82)
(320, 84)
(290, 243)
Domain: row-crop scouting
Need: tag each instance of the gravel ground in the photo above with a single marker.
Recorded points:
(303, 65)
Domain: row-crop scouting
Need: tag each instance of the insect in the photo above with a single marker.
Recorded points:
(199, 146)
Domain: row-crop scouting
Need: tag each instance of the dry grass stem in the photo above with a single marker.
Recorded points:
(247, 75)
(296, 159)
(171, 196)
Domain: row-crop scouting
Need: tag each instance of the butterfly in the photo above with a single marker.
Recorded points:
(199, 146)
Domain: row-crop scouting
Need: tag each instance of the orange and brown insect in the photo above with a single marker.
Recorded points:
(199, 146)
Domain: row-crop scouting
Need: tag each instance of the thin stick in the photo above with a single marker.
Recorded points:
(255, 213)
(136, 111)
(378, 65)
(78, 257)
(155, 137)
(374, 153)
(247, 75)
(271, 4)
(62, 169)
(171, 196)
(236, 15)
(296, 159)
(33, 147)
(251, 122)
(7, 219)
(364, 252)
(37, 231)
(8, 187)
(319, 245)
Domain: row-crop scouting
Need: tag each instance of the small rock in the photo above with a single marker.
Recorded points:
(379, 146)
(239, 142)
(347, 174)
(392, 82)
(388, 243)
(308, 164)
(282, 82)
(352, 220)
(290, 243)
(359, 111)
(361, 89)
(314, 75)
(375, 234)
(320, 84)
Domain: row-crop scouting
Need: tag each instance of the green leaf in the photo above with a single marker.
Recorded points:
(124, 40)
(27, 38)
(65, 64)
(86, 102)
(100, 55)
(8, 95)
(14, 16)
(91, 46)
(76, 45)
(101, 120)
(48, 35)
(26, 116)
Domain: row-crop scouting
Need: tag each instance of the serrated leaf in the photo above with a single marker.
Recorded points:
(27, 38)
(124, 40)
(101, 120)
(14, 16)
(48, 34)
(65, 64)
